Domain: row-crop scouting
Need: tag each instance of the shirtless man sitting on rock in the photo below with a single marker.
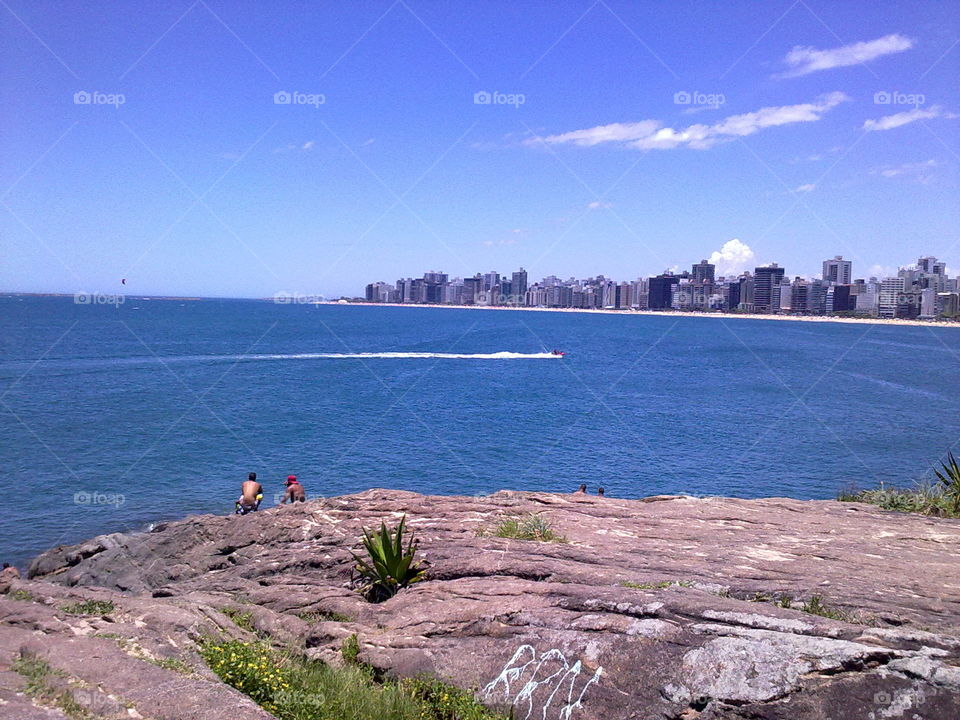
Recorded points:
(251, 493)
(294, 491)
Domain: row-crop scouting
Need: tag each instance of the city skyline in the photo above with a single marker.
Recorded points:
(923, 290)
(222, 150)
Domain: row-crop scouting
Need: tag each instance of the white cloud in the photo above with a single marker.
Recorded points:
(919, 171)
(809, 187)
(888, 122)
(805, 60)
(308, 145)
(882, 271)
(599, 204)
(651, 135)
(733, 258)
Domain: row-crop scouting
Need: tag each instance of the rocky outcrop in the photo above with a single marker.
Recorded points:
(660, 608)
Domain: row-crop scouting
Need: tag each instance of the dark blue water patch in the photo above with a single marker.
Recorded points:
(152, 406)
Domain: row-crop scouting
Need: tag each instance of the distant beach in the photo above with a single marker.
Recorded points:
(674, 313)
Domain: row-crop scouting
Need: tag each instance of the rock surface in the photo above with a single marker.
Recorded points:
(659, 608)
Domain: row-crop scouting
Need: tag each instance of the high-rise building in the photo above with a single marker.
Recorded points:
(931, 266)
(472, 289)
(841, 299)
(519, 284)
(660, 291)
(800, 296)
(838, 271)
(704, 272)
(764, 281)
(379, 292)
(890, 291)
(438, 278)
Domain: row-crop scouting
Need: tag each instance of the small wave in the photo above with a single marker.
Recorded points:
(893, 385)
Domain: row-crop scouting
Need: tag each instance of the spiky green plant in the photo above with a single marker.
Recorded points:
(390, 566)
(950, 481)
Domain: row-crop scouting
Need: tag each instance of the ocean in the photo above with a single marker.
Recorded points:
(113, 417)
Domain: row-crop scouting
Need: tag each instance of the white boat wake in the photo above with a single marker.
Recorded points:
(405, 356)
(94, 363)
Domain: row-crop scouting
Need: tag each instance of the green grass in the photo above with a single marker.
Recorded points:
(41, 686)
(243, 620)
(320, 616)
(295, 688)
(350, 650)
(89, 607)
(175, 664)
(814, 606)
(658, 585)
(22, 595)
(527, 527)
(922, 498)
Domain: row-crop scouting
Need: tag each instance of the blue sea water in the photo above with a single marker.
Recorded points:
(114, 417)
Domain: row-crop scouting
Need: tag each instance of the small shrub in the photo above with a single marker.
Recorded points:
(243, 620)
(816, 606)
(528, 527)
(389, 566)
(20, 594)
(89, 607)
(36, 672)
(251, 668)
(950, 482)
(292, 687)
(350, 650)
(445, 702)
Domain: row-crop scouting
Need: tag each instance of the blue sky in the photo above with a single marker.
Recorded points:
(625, 138)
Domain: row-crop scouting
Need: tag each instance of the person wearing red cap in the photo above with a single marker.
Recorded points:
(294, 491)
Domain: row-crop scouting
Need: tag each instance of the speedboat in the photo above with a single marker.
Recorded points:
(559, 353)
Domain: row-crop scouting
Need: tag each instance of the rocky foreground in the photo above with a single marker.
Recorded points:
(555, 629)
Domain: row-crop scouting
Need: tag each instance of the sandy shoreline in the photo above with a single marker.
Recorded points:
(676, 313)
